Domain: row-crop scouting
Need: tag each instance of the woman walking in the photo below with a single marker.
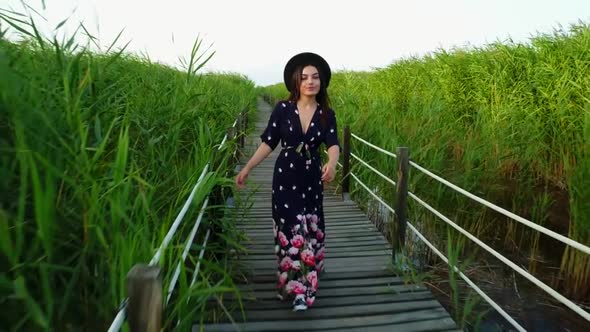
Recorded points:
(302, 123)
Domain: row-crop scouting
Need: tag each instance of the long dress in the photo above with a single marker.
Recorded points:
(297, 197)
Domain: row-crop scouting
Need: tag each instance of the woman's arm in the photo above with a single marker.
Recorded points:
(261, 153)
(333, 155)
(329, 169)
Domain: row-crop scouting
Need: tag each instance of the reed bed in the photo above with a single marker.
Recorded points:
(507, 121)
(98, 152)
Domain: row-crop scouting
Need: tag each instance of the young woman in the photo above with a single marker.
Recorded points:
(302, 123)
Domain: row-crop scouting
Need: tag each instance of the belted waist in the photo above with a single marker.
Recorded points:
(302, 149)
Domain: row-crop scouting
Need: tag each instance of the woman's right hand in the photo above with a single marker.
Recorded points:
(241, 178)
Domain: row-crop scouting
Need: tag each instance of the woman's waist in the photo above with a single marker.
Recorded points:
(301, 147)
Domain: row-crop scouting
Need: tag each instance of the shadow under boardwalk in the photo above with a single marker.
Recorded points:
(357, 292)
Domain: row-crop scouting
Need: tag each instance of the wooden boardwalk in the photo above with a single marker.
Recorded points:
(357, 292)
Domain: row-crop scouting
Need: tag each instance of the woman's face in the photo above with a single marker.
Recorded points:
(310, 81)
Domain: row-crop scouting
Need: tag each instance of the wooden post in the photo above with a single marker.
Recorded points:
(231, 134)
(144, 288)
(401, 199)
(239, 130)
(346, 164)
(244, 126)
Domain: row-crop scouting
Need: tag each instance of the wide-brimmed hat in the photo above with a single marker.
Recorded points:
(307, 58)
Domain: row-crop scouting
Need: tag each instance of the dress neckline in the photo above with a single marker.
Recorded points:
(310, 120)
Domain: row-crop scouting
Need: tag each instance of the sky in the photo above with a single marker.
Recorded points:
(257, 37)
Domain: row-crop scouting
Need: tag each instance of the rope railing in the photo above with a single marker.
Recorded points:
(560, 298)
(119, 319)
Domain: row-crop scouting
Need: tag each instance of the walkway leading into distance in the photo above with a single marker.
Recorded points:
(357, 292)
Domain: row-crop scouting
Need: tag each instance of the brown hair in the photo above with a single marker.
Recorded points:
(322, 96)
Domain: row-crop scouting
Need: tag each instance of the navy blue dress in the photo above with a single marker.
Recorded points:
(297, 196)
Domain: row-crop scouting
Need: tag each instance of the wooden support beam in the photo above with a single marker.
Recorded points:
(401, 199)
(144, 288)
(346, 164)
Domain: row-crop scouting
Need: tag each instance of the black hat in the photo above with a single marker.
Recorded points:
(307, 58)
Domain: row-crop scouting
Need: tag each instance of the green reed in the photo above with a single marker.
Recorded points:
(507, 121)
(98, 152)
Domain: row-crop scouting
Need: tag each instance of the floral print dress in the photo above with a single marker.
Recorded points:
(297, 197)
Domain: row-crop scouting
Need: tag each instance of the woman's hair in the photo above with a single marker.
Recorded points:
(322, 96)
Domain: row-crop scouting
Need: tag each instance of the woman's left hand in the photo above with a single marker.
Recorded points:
(328, 173)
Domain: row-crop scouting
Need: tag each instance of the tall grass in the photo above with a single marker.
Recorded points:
(97, 154)
(507, 121)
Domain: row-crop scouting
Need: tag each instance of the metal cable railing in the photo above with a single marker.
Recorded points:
(467, 280)
(156, 258)
(189, 242)
(506, 261)
(512, 265)
(436, 251)
(546, 231)
(372, 193)
(372, 169)
(119, 319)
(391, 154)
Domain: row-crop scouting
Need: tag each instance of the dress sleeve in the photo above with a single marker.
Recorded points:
(271, 134)
(331, 137)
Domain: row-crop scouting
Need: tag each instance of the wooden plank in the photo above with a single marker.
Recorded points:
(338, 323)
(266, 228)
(329, 220)
(340, 311)
(335, 215)
(262, 201)
(329, 226)
(329, 254)
(341, 212)
(264, 242)
(269, 244)
(329, 202)
(361, 231)
(261, 198)
(358, 290)
(333, 262)
(336, 261)
(325, 284)
(262, 295)
(260, 250)
(267, 223)
(328, 268)
(329, 236)
(271, 276)
(321, 302)
(358, 268)
(418, 326)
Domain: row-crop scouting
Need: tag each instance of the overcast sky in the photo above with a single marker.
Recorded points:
(257, 37)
